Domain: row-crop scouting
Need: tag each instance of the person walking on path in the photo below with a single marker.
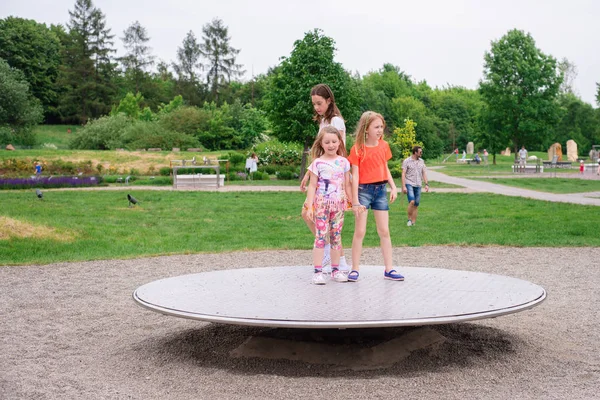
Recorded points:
(370, 175)
(326, 199)
(522, 159)
(414, 173)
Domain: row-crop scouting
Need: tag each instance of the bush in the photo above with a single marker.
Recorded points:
(395, 168)
(237, 176)
(102, 134)
(164, 171)
(275, 152)
(143, 135)
(19, 110)
(50, 182)
(186, 119)
(158, 181)
(270, 169)
(284, 175)
(237, 158)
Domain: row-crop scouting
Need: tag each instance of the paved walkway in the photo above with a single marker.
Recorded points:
(487, 187)
(468, 186)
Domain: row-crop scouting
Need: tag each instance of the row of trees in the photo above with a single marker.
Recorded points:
(525, 96)
(76, 75)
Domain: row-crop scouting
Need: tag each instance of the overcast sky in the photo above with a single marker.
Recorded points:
(440, 41)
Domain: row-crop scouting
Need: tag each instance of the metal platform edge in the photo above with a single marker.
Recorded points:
(271, 323)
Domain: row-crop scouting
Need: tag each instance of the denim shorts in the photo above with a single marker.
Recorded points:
(374, 196)
(414, 194)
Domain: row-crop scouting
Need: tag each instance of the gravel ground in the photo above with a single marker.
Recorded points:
(72, 331)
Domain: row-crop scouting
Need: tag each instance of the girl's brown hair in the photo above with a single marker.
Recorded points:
(361, 130)
(317, 151)
(332, 111)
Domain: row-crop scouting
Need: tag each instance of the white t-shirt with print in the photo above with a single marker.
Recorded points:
(337, 123)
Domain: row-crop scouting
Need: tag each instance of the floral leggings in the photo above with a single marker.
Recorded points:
(329, 220)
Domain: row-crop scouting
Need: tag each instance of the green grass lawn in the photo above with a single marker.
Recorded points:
(56, 135)
(101, 226)
(550, 185)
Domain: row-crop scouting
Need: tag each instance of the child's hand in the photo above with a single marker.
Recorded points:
(303, 183)
(358, 209)
(393, 195)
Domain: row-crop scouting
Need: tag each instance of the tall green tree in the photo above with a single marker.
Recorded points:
(520, 87)
(287, 101)
(105, 68)
(220, 56)
(379, 88)
(458, 110)
(19, 110)
(138, 55)
(86, 71)
(34, 49)
(187, 68)
(426, 123)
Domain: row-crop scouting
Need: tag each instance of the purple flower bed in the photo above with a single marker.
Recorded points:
(49, 182)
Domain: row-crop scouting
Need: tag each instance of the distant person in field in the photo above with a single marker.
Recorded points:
(38, 169)
(522, 159)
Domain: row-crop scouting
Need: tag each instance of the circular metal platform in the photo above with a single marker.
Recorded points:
(284, 297)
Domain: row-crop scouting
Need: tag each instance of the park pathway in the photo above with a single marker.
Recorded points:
(487, 187)
(468, 186)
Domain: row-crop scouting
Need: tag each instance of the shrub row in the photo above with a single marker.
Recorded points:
(50, 182)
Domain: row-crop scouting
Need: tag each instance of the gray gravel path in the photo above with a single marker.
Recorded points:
(481, 186)
(72, 331)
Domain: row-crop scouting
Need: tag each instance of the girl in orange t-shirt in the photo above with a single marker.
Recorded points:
(370, 175)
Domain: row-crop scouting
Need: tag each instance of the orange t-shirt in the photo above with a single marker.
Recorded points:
(372, 164)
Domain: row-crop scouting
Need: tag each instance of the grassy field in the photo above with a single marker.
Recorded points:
(88, 225)
(550, 185)
(56, 135)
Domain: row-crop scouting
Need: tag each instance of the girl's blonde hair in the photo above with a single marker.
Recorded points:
(332, 111)
(361, 130)
(317, 151)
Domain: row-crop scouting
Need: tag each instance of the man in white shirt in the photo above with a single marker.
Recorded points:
(522, 158)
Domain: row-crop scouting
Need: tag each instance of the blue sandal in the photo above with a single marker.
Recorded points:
(353, 276)
(393, 275)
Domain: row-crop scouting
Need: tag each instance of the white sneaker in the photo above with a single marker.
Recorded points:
(409, 223)
(327, 270)
(344, 267)
(318, 279)
(326, 260)
(339, 276)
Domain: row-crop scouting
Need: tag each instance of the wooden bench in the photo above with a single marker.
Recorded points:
(534, 168)
(464, 160)
(558, 164)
